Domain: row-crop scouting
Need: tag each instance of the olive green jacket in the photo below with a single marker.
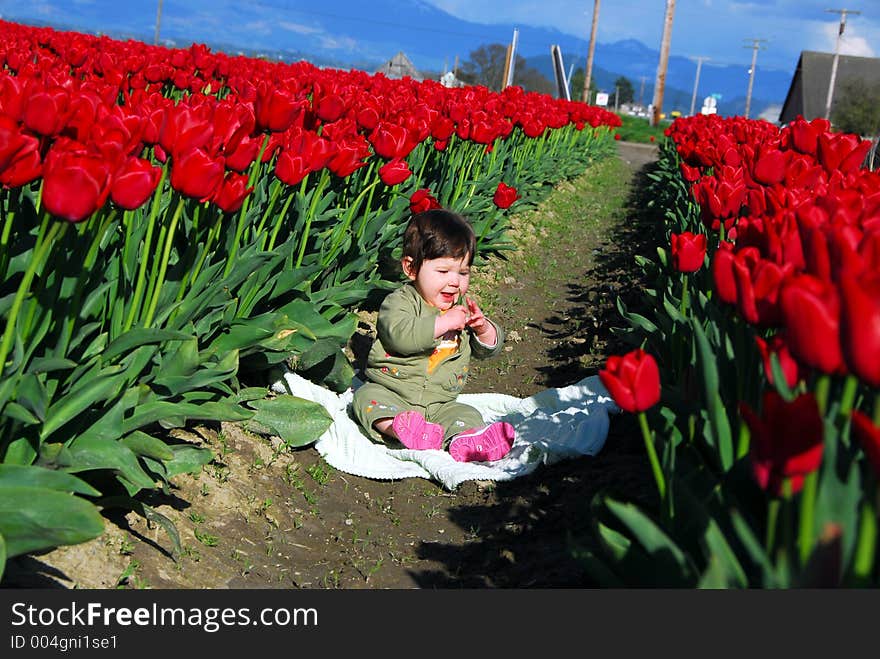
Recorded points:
(405, 340)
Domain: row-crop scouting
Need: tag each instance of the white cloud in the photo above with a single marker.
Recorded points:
(850, 43)
(299, 28)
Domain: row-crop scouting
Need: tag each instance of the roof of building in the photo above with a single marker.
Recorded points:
(808, 92)
(400, 66)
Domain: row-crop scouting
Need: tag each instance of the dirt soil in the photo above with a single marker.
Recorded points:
(264, 516)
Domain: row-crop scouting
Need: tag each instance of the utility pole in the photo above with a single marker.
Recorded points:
(158, 21)
(843, 13)
(696, 83)
(588, 74)
(510, 61)
(756, 45)
(661, 66)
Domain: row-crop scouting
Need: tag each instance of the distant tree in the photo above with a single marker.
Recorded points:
(576, 85)
(857, 108)
(625, 91)
(485, 66)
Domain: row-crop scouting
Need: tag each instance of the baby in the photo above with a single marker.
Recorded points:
(426, 332)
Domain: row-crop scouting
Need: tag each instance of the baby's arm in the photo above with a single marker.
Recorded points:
(483, 329)
(400, 328)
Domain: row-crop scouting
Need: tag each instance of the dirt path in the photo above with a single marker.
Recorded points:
(262, 516)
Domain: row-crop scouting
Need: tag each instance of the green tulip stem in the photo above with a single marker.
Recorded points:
(847, 400)
(316, 195)
(339, 234)
(366, 215)
(876, 417)
(279, 222)
(41, 249)
(145, 253)
(273, 198)
(743, 440)
(823, 386)
(807, 521)
(91, 257)
(4, 243)
(772, 522)
(163, 266)
(866, 544)
(652, 457)
(684, 305)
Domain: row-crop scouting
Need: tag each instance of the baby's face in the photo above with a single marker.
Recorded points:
(442, 281)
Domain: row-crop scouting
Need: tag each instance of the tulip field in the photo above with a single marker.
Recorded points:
(174, 220)
(756, 376)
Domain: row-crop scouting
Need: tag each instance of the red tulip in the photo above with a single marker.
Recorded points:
(231, 193)
(757, 287)
(277, 109)
(46, 111)
(422, 200)
(134, 183)
(869, 437)
(391, 140)
(196, 174)
(505, 195)
(860, 324)
(394, 172)
(786, 440)
(770, 167)
(632, 380)
(688, 251)
(75, 183)
(19, 155)
(349, 155)
(811, 313)
(776, 345)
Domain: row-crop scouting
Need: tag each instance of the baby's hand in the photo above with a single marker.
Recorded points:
(484, 330)
(455, 318)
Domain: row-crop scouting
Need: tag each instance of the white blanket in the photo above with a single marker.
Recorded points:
(552, 425)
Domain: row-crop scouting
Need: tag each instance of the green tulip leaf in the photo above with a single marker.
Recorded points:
(187, 459)
(85, 454)
(143, 444)
(34, 476)
(37, 518)
(297, 421)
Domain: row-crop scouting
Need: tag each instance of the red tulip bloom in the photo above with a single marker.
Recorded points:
(869, 437)
(196, 174)
(688, 251)
(391, 141)
(394, 172)
(133, 184)
(46, 111)
(811, 313)
(632, 380)
(19, 155)
(776, 345)
(75, 183)
(860, 324)
(349, 155)
(504, 196)
(230, 195)
(277, 109)
(786, 440)
(422, 200)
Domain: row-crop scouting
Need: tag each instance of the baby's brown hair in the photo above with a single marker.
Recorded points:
(438, 233)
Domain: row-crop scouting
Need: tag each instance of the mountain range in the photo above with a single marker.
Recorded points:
(354, 34)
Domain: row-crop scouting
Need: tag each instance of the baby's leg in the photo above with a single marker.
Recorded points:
(469, 438)
(384, 414)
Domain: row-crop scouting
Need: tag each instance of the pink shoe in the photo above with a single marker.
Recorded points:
(483, 444)
(414, 432)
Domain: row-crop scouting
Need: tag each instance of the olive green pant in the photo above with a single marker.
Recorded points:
(373, 402)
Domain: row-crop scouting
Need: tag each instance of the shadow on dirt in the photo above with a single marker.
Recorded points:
(524, 534)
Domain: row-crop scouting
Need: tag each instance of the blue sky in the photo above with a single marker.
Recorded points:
(720, 30)
(717, 29)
